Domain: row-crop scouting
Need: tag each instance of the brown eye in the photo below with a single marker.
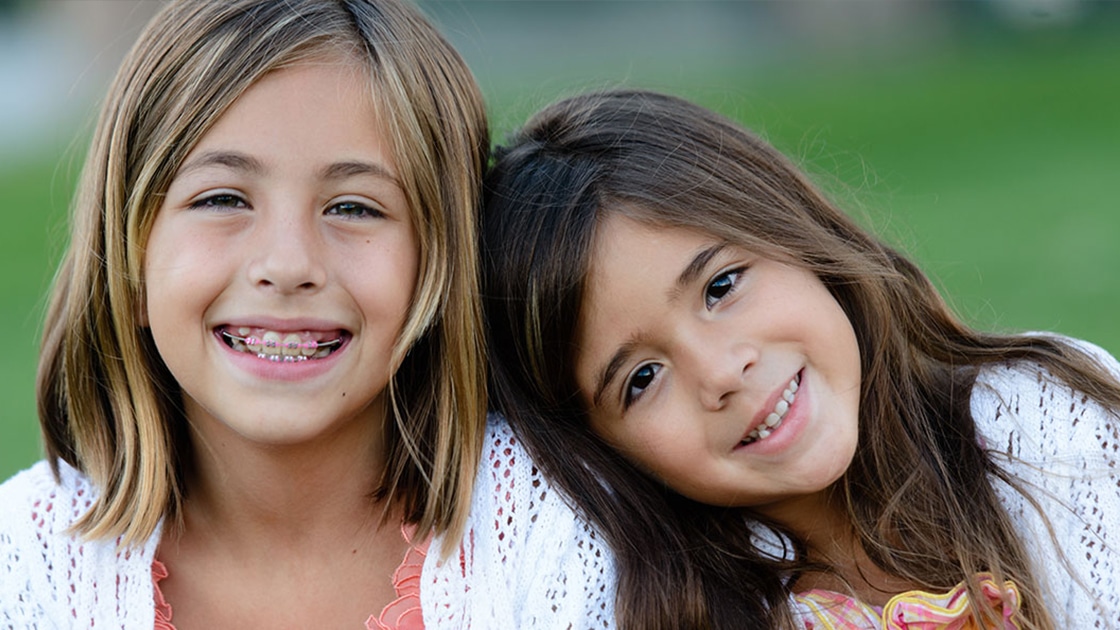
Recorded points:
(721, 286)
(353, 210)
(223, 200)
(638, 383)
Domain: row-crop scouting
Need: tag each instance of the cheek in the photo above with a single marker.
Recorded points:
(661, 448)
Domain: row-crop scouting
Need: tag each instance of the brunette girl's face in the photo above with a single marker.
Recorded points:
(732, 378)
(282, 263)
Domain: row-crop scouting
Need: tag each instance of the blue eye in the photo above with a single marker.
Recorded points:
(353, 210)
(721, 286)
(221, 200)
(639, 381)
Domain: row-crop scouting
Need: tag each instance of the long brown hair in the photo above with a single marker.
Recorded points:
(108, 405)
(918, 491)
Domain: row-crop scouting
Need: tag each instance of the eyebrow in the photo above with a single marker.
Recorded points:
(688, 275)
(352, 168)
(228, 159)
(607, 374)
(253, 166)
(696, 266)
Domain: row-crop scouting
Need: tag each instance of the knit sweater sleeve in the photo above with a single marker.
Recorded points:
(527, 560)
(50, 577)
(1063, 448)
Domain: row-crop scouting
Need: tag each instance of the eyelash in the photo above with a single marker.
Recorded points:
(220, 200)
(364, 210)
(354, 209)
(727, 282)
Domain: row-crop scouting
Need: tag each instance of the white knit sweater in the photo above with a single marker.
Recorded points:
(527, 562)
(1066, 449)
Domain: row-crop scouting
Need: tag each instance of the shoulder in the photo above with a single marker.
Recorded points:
(528, 559)
(1062, 450)
(1026, 412)
(36, 496)
(37, 513)
(49, 575)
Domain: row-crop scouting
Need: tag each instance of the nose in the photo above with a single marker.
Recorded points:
(287, 251)
(721, 371)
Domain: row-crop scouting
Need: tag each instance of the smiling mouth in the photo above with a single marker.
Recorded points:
(271, 345)
(774, 419)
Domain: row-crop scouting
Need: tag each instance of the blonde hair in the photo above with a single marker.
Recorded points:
(107, 404)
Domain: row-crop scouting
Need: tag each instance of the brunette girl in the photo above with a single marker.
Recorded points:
(770, 413)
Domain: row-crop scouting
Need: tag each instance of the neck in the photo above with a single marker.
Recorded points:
(822, 522)
(819, 520)
(249, 493)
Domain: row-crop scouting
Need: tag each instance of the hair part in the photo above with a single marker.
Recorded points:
(107, 403)
(661, 160)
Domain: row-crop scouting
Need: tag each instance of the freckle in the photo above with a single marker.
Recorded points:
(367, 241)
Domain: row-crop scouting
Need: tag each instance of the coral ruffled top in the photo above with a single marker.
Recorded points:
(403, 613)
(912, 610)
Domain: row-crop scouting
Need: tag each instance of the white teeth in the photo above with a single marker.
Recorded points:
(272, 342)
(774, 419)
(275, 346)
(290, 346)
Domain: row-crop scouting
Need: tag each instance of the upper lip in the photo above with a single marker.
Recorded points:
(296, 324)
(768, 406)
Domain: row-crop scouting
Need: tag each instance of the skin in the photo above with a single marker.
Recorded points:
(705, 337)
(288, 215)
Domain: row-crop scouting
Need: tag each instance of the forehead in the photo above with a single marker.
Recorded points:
(305, 106)
(628, 252)
(632, 284)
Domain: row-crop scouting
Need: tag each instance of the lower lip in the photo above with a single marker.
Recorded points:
(794, 422)
(289, 371)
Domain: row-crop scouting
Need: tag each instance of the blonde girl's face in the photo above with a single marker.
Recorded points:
(732, 378)
(282, 263)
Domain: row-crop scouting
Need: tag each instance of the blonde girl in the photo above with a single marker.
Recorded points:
(262, 384)
(771, 414)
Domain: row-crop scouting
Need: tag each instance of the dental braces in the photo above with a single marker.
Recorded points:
(287, 358)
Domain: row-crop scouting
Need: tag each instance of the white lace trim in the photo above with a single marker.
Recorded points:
(539, 565)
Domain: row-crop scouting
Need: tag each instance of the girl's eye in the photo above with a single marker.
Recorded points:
(221, 200)
(353, 210)
(721, 286)
(639, 381)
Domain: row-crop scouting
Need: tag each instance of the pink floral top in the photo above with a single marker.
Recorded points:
(403, 613)
(912, 610)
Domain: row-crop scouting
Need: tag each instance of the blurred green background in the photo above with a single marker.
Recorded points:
(981, 137)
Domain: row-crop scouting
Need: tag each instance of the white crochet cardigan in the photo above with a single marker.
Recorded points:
(1063, 448)
(1066, 449)
(527, 562)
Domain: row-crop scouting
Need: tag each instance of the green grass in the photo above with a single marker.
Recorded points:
(991, 163)
(34, 198)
